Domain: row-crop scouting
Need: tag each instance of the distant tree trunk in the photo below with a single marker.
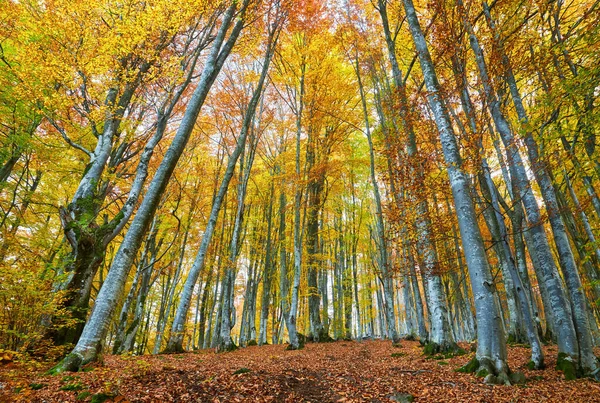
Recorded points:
(347, 294)
(293, 311)
(315, 187)
(585, 222)
(283, 271)
(354, 249)
(228, 313)
(171, 288)
(209, 328)
(244, 325)
(269, 271)
(383, 259)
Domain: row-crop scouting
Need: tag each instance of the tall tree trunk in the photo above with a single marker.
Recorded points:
(228, 312)
(587, 360)
(293, 311)
(89, 344)
(383, 259)
(269, 270)
(491, 346)
(440, 337)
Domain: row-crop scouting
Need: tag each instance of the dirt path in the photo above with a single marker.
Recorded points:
(334, 372)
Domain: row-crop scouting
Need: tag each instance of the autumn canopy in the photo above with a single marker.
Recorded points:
(179, 176)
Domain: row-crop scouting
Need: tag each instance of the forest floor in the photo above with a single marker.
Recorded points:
(344, 371)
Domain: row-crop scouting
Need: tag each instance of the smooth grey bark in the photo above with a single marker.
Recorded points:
(314, 189)
(440, 333)
(283, 271)
(383, 259)
(587, 261)
(500, 235)
(170, 297)
(87, 238)
(120, 332)
(175, 342)
(347, 296)
(521, 236)
(118, 344)
(586, 179)
(495, 222)
(491, 346)
(203, 308)
(228, 312)
(249, 307)
(293, 311)
(419, 304)
(587, 359)
(89, 344)
(409, 305)
(574, 336)
(209, 328)
(467, 309)
(132, 330)
(227, 308)
(383, 327)
(324, 292)
(547, 270)
(354, 247)
(583, 217)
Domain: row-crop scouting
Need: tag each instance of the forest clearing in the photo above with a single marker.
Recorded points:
(344, 371)
(299, 200)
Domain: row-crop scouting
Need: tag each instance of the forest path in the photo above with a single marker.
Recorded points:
(344, 371)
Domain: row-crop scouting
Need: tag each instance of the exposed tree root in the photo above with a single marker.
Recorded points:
(173, 348)
(485, 369)
(447, 350)
(321, 337)
(76, 360)
(301, 343)
(226, 345)
(71, 363)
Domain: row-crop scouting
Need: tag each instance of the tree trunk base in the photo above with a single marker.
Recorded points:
(448, 350)
(71, 363)
(485, 369)
(75, 361)
(409, 337)
(174, 347)
(532, 365)
(299, 346)
(226, 346)
(568, 367)
(321, 337)
(517, 338)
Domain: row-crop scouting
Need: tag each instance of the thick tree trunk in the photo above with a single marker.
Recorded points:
(440, 336)
(587, 360)
(491, 346)
(578, 348)
(89, 344)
